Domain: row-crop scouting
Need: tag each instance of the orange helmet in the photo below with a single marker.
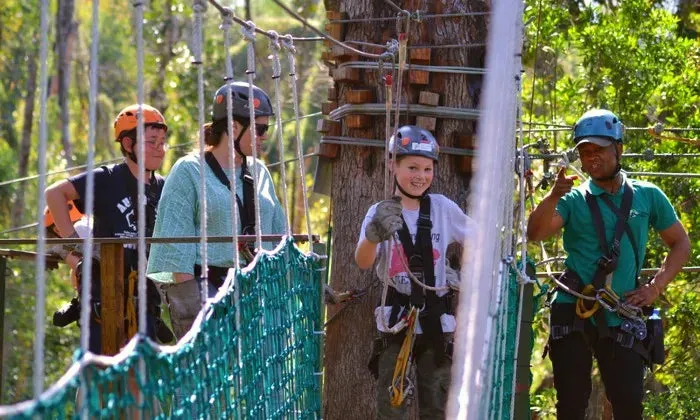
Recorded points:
(73, 212)
(127, 119)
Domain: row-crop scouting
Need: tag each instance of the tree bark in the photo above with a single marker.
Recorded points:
(358, 179)
(65, 27)
(27, 124)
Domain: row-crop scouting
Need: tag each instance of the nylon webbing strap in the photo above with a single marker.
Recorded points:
(619, 213)
(610, 253)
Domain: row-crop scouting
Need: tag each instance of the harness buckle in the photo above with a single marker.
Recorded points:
(625, 340)
(559, 331)
(424, 222)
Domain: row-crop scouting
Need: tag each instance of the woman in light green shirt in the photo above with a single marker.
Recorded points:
(176, 267)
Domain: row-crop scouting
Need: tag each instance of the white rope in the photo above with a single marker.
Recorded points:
(496, 134)
(38, 377)
(227, 22)
(199, 7)
(276, 74)
(249, 34)
(288, 44)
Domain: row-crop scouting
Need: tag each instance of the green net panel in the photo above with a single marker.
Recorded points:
(275, 377)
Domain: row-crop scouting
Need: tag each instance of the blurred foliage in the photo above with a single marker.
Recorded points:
(171, 85)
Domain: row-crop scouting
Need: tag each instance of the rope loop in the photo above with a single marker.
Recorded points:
(248, 31)
(226, 19)
(199, 6)
(275, 48)
(407, 15)
(287, 42)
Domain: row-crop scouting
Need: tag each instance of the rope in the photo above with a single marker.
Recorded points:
(288, 44)
(401, 385)
(227, 22)
(38, 374)
(228, 11)
(248, 32)
(425, 110)
(199, 7)
(86, 298)
(276, 74)
(658, 136)
(323, 34)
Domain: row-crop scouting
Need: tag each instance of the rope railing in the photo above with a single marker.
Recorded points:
(416, 16)
(434, 69)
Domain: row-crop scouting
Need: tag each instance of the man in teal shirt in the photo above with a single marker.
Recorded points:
(598, 138)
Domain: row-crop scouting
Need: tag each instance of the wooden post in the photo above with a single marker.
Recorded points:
(112, 290)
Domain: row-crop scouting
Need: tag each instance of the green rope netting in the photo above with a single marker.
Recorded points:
(275, 377)
(505, 347)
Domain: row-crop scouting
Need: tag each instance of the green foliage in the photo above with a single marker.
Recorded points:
(633, 58)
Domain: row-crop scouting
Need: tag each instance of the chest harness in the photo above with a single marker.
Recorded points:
(599, 292)
(246, 213)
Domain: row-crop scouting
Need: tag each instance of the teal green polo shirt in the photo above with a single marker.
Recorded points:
(650, 208)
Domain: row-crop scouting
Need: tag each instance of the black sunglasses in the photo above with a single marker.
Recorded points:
(261, 129)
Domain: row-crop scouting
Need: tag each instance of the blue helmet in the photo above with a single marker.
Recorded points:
(414, 141)
(598, 123)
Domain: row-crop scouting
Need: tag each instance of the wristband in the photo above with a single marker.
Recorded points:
(656, 287)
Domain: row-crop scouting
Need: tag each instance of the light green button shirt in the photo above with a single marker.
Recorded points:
(179, 215)
(650, 208)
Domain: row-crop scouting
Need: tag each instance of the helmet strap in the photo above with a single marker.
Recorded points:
(618, 168)
(237, 142)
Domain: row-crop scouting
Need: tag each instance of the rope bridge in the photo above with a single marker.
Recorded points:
(203, 376)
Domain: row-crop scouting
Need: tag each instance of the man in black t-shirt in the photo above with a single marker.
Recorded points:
(115, 210)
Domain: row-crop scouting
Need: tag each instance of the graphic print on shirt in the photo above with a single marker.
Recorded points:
(399, 263)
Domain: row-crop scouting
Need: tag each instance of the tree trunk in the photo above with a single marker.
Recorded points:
(27, 124)
(65, 26)
(358, 179)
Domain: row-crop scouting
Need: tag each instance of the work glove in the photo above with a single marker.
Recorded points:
(386, 220)
(452, 277)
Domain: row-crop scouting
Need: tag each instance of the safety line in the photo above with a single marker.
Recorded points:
(323, 34)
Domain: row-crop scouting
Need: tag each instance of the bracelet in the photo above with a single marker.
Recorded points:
(656, 287)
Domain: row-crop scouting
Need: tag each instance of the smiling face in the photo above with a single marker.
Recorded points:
(414, 174)
(155, 147)
(600, 162)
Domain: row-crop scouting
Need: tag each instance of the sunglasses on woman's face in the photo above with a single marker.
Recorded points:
(261, 129)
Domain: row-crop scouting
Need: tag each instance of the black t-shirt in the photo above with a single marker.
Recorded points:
(115, 205)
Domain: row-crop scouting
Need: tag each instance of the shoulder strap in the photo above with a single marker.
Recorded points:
(244, 212)
(248, 212)
(623, 213)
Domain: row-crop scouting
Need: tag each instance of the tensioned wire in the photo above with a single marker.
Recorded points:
(38, 374)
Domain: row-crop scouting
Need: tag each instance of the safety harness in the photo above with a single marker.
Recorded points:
(246, 208)
(599, 293)
(421, 265)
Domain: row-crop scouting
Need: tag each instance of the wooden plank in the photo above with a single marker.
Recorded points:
(357, 121)
(359, 96)
(332, 95)
(427, 97)
(329, 151)
(335, 30)
(419, 77)
(342, 54)
(328, 106)
(426, 122)
(346, 75)
(465, 164)
(419, 56)
(112, 304)
(328, 127)
(334, 15)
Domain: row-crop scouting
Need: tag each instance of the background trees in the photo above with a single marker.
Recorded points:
(640, 58)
